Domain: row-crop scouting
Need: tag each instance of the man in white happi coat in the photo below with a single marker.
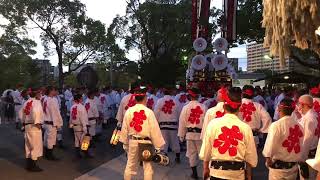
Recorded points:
(31, 115)
(52, 121)
(93, 114)
(182, 99)
(214, 112)
(314, 163)
(190, 124)
(18, 102)
(79, 122)
(126, 102)
(104, 108)
(284, 144)
(152, 99)
(140, 126)
(254, 114)
(167, 114)
(315, 92)
(311, 130)
(228, 148)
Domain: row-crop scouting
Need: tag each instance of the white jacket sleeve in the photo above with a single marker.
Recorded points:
(265, 119)
(155, 132)
(120, 113)
(206, 147)
(271, 142)
(124, 135)
(182, 131)
(251, 156)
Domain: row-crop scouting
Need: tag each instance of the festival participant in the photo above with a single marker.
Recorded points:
(228, 144)
(315, 92)
(190, 124)
(286, 93)
(127, 102)
(167, 114)
(283, 147)
(79, 122)
(18, 102)
(254, 113)
(103, 108)
(139, 127)
(314, 163)
(93, 114)
(52, 121)
(182, 99)
(311, 130)
(216, 111)
(31, 115)
(259, 98)
(152, 99)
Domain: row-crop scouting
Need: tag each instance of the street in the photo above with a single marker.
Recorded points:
(68, 168)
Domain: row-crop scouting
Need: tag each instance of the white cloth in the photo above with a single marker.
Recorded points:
(79, 122)
(184, 122)
(33, 134)
(210, 115)
(193, 150)
(277, 101)
(68, 94)
(309, 124)
(122, 107)
(18, 100)
(50, 136)
(52, 111)
(260, 118)
(93, 115)
(154, 99)
(315, 163)
(149, 128)
(245, 150)
(182, 100)
(279, 132)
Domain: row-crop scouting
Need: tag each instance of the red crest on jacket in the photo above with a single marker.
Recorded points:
(247, 109)
(27, 109)
(74, 112)
(137, 120)
(292, 142)
(195, 115)
(150, 103)
(87, 106)
(228, 140)
(183, 98)
(167, 107)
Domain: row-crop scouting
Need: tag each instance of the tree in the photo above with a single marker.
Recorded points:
(66, 30)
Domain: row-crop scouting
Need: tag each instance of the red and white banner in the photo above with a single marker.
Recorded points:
(230, 14)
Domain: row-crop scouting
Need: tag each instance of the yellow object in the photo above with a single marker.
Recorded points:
(85, 143)
(115, 137)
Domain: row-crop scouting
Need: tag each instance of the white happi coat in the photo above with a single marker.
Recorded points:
(122, 107)
(260, 118)
(33, 134)
(315, 163)
(193, 138)
(154, 99)
(277, 101)
(210, 115)
(213, 145)
(104, 107)
(181, 101)
(93, 115)
(79, 122)
(280, 132)
(18, 100)
(309, 123)
(259, 99)
(170, 136)
(316, 107)
(52, 114)
(149, 128)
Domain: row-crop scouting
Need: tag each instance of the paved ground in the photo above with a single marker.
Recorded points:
(114, 170)
(12, 157)
(108, 163)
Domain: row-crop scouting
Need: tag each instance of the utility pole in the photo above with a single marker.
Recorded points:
(111, 72)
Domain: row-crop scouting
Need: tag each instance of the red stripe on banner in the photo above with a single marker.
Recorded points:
(204, 16)
(231, 11)
(194, 21)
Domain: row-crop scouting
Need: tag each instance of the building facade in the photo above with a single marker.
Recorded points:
(257, 60)
(46, 70)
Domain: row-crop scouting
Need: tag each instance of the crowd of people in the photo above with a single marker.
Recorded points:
(224, 130)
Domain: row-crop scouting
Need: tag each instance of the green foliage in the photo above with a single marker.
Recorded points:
(65, 29)
(18, 69)
(161, 31)
(249, 18)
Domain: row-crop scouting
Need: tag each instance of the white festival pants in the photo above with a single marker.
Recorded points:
(193, 149)
(33, 142)
(172, 140)
(50, 136)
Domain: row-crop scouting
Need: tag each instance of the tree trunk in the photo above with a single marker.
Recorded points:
(59, 49)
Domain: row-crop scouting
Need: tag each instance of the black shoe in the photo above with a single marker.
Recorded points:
(194, 173)
(17, 125)
(32, 166)
(78, 153)
(61, 146)
(178, 158)
(50, 155)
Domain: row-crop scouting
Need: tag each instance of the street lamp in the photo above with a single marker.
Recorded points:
(268, 57)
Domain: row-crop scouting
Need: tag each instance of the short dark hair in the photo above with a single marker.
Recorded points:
(77, 97)
(234, 94)
(195, 91)
(49, 89)
(91, 93)
(140, 94)
(247, 88)
(287, 106)
(34, 92)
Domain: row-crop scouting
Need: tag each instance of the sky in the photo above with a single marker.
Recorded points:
(106, 10)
